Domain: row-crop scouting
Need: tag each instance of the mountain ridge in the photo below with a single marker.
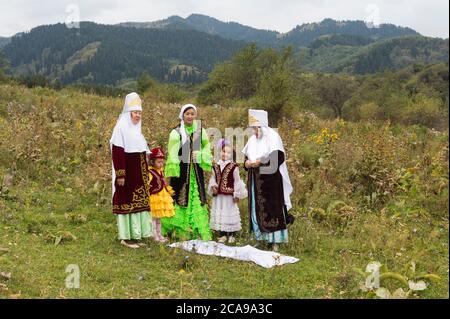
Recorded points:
(185, 50)
(300, 36)
(123, 53)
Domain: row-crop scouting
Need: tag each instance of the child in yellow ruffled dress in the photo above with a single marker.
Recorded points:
(161, 202)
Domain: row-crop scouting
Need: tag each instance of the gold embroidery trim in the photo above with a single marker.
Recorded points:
(140, 197)
(261, 200)
(200, 188)
(224, 179)
(253, 121)
(183, 198)
(140, 200)
(120, 173)
(144, 173)
(197, 175)
(217, 173)
(158, 179)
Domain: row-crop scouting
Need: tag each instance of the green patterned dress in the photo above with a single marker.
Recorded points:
(191, 222)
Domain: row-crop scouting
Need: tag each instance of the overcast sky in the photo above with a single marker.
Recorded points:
(429, 17)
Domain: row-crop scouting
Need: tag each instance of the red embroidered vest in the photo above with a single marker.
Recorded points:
(225, 178)
(157, 183)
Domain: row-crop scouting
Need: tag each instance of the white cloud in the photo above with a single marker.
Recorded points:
(428, 17)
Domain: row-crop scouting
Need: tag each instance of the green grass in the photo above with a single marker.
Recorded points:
(326, 269)
(55, 153)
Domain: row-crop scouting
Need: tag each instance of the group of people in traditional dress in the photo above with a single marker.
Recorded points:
(163, 195)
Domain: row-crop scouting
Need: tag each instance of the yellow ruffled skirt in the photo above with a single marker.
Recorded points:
(161, 204)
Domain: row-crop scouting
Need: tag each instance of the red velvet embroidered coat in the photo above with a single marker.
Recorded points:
(133, 197)
(225, 178)
(157, 183)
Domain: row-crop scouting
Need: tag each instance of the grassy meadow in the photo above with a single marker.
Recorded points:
(364, 192)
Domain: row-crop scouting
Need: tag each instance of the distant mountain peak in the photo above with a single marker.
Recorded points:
(175, 18)
(201, 16)
(301, 36)
(305, 34)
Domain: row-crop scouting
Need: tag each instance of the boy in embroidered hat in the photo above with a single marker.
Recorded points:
(161, 202)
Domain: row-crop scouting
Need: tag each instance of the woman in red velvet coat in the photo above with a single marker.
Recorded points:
(130, 175)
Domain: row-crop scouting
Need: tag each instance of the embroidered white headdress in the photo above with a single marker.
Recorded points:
(126, 134)
(258, 118)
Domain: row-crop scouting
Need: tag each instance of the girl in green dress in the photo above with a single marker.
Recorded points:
(189, 157)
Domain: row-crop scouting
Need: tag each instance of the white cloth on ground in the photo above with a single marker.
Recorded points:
(266, 259)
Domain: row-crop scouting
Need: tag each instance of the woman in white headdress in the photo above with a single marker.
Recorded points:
(269, 185)
(130, 175)
(189, 157)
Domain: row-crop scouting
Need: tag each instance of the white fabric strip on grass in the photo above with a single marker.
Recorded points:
(266, 259)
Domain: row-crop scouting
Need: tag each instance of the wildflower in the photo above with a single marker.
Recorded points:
(334, 137)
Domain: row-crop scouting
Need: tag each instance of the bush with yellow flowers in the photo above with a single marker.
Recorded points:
(325, 137)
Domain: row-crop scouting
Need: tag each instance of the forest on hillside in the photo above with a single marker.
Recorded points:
(119, 53)
(270, 79)
(185, 51)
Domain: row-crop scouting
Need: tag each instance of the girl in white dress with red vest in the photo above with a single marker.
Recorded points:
(227, 189)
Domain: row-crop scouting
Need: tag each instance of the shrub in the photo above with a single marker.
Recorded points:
(370, 111)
